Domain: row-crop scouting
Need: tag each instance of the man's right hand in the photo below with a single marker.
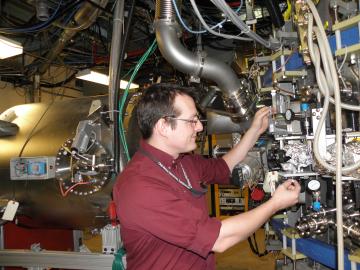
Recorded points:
(237, 228)
(286, 195)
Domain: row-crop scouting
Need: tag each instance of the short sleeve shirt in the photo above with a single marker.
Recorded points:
(164, 225)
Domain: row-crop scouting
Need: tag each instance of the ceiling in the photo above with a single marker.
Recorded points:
(89, 46)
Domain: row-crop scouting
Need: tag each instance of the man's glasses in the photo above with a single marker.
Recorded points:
(193, 121)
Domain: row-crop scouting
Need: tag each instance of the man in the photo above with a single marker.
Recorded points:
(160, 195)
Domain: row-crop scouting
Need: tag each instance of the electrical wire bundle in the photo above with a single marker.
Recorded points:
(230, 15)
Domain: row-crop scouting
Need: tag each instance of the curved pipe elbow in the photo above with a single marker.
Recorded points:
(172, 50)
(198, 65)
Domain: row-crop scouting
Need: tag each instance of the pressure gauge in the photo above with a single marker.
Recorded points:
(314, 185)
(289, 115)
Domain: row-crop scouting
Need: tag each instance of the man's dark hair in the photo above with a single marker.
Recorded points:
(156, 102)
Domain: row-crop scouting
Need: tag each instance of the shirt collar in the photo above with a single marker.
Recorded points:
(162, 156)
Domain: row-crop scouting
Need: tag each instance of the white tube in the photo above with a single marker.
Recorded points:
(284, 242)
(324, 90)
(330, 83)
(339, 212)
(338, 39)
(293, 248)
(314, 53)
(326, 64)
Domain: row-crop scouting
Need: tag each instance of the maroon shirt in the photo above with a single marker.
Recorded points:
(163, 225)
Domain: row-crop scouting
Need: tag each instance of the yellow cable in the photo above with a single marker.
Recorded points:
(287, 13)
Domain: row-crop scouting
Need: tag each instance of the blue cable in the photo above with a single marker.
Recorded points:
(183, 23)
(202, 31)
(66, 21)
(47, 23)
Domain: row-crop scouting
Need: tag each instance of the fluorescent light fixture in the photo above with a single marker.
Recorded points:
(97, 77)
(92, 76)
(9, 47)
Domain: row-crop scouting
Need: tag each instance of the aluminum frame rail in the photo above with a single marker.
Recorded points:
(56, 259)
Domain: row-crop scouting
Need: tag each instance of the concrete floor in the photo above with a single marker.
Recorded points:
(240, 257)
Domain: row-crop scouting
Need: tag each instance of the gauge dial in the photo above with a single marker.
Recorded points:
(314, 185)
(289, 115)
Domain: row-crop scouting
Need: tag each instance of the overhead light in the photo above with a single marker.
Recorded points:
(97, 77)
(93, 76)
(9, 47)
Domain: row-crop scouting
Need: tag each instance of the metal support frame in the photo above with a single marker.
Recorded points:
(354, 258)
(56, 259)
(77, 239)
(291, 252)
(316, 250)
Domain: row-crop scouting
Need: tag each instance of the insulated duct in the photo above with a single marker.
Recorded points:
(238, 100)
(84, 17)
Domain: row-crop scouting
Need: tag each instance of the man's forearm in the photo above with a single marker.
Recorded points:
(238, 228)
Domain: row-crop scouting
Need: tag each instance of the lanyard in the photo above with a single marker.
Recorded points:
(177, 179)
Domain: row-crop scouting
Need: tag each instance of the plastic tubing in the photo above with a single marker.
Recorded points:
(338, 136)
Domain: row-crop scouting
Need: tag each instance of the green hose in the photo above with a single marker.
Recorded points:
(118, 261)
(142, 60)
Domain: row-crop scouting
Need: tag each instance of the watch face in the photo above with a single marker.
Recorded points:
(314, 185)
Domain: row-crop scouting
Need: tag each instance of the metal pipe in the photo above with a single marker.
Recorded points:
(220, 123)
(353, 230)
(42, 10)
(237, 100)
(209, 98)
(114, 82)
